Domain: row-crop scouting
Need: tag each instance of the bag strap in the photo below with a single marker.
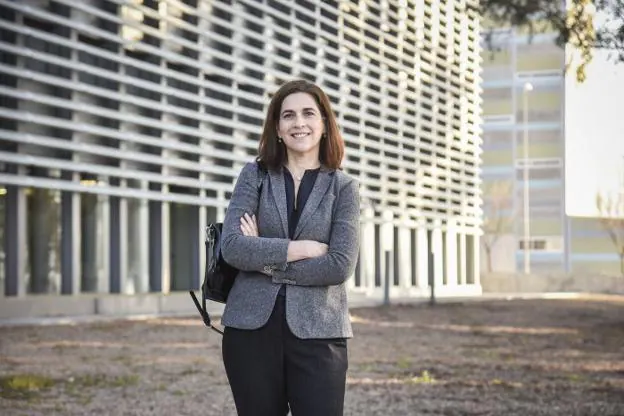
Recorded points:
(204, 314)
(209, 244)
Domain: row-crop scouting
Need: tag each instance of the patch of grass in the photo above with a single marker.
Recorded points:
(125, 381)
(503, 383)
(189, 372)
(178, 393)
(424, 378)
(103, 381)
(24, 386)
(368, 367)
(404, 363)
(576, 378)
(125, 359)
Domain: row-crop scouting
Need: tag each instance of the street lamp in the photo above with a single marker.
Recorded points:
(528, 87)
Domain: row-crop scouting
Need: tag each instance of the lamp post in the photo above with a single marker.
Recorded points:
(528, 87)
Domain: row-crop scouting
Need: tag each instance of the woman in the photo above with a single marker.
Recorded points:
(295, 241)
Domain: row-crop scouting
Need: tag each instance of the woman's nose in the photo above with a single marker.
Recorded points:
(299, 120)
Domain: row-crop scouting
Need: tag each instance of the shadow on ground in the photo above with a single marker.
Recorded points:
(520, 357)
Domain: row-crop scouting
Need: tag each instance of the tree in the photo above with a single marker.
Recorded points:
(574, 25)
(497, 217)
(611, 209)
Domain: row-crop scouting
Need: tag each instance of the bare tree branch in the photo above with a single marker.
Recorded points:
(497, 218)
(611, 209)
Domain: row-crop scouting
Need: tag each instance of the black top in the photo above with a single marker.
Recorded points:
(305, 188)
(294, 209)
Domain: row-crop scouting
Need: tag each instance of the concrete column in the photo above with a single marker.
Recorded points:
(123, 245)
(137, 278)
(437, 249)
(387, 244)
(220, 209)
(462, 258)
(422, 256)
(103, 235)
(71, 265)
(451, 253)
(367, 250)
(405, 255)
(165, 258)
(15, 241)
(144, 240)
(159, 253)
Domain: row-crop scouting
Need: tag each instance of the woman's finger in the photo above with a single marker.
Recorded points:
(254, 224)
(244, 225)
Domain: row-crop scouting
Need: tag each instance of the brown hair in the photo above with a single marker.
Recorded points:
(272, 154)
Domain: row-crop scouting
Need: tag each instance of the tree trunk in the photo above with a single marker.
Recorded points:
(488, 254)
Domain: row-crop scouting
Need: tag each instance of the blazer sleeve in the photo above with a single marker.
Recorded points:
(338, 264)
(243, 252)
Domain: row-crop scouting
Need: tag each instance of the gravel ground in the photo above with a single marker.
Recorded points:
(520, 357)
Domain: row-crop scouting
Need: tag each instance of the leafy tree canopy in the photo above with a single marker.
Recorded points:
(574, 25)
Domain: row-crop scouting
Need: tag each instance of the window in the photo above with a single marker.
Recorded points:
(545, 244)
(533, 244)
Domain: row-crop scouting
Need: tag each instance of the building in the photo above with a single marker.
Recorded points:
(526, 78)
(125, 124)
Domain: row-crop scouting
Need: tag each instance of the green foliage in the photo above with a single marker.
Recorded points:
(424, 378)
(574, 26)
(23, 386)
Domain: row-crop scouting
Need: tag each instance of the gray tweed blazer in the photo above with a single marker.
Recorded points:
(316, 298)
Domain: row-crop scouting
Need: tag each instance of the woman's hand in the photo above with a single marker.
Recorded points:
(249, 225)
(305, 249)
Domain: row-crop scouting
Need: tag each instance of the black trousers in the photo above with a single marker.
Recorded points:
(271, 370)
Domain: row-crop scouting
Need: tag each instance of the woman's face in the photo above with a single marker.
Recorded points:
(301, 125)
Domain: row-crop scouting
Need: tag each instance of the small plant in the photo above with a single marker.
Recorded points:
(424, 378)
(23, 386)
(101, 380)
(404, 363)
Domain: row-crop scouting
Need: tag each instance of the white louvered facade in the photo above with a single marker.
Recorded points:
(125, 122)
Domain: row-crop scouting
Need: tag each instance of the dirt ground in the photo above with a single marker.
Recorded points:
(495, 357)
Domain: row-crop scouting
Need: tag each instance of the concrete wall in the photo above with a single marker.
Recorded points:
(533, 283)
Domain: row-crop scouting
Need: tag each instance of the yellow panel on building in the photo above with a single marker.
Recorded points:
(541, 150)
(538, 62)
(497, 107)
(497, 157)
(592, 245)
(537, 100)
(549, 227)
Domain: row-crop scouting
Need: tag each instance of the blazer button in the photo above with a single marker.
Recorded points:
(268, 269)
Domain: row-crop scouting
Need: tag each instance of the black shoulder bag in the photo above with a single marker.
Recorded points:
(219, 275)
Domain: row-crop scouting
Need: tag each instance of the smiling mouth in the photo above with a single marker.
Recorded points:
(299, 135)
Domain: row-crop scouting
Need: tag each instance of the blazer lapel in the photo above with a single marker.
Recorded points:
(278, 190)
(323, 180)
